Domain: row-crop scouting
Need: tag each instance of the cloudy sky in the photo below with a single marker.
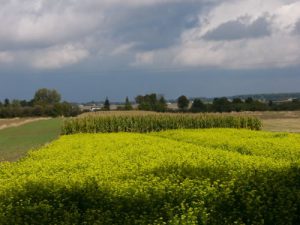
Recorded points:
(95, 48)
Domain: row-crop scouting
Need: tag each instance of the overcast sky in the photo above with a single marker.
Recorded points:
(91, 49)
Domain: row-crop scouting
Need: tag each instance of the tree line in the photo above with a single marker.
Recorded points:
(45, 102)
(155, 102)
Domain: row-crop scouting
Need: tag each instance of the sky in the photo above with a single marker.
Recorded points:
(92, 49)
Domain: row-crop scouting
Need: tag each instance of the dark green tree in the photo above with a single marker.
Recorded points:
(198, 106)
(106, 105)
(151, 102)
(6, 102)
(161, 104)
(127, 105)
(249, 100)
(238, 105)
(183, 102)
(221, 105)
(46, 96)
(237, 101)
(270, 103)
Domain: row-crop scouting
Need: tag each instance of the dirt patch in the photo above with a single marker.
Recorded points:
(282, 125)
(6, 123)
(274, 114)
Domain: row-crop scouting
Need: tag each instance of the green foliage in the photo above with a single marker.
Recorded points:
(6, 102)
(46, 96)
(156, 122)
(151, 102)
(106, 105)
(198, 106)
(183, 102)
(45, 103)
(56, 110)
(221, 105)
(157, 178)
(127, 105)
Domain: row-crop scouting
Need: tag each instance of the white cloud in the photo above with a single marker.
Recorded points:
(39, 22)
(39, 32)
(6, 57)
(280, 48)
(122, 49)
(259, 53)
(57, 57)
(143, 59)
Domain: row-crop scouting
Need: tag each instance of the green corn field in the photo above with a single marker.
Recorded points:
(140, 123)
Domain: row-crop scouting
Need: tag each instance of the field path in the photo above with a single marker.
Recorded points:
(15, 122)
(17, 139)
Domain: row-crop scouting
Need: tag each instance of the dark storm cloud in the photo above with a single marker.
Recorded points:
(234, 30)
(156, 26)
(297, 27)
(117, 48)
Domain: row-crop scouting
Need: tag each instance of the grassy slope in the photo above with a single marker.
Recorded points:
(16, 141)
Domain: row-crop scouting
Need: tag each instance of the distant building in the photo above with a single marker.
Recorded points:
(284, 101)
(90, 108)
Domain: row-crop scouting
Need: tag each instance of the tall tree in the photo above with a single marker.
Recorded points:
(183, 102)
(249, 100)
(221, 105)
(46, 96)
(198, 106)
(151, 102)
(161, 104)
(127, 105)
(6, 102)
(106, 105)
(237, 101)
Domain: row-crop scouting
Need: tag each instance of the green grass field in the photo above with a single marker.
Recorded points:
(16, 141)
(208, 176)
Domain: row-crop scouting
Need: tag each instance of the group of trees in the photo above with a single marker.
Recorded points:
(184, 104)
(44, 103)
(237, 105)
(127, 105)
(48, 102)
(151, 102)
(154, 102)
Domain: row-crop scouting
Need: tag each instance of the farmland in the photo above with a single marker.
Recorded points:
(142, 123)
(150, 168)
(282, 121)
(14, 122)
(214, 176)
(15, 141)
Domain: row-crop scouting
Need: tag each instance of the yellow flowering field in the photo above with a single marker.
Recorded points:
(206, 176)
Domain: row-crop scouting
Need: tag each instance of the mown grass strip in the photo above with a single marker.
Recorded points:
(16, 141)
